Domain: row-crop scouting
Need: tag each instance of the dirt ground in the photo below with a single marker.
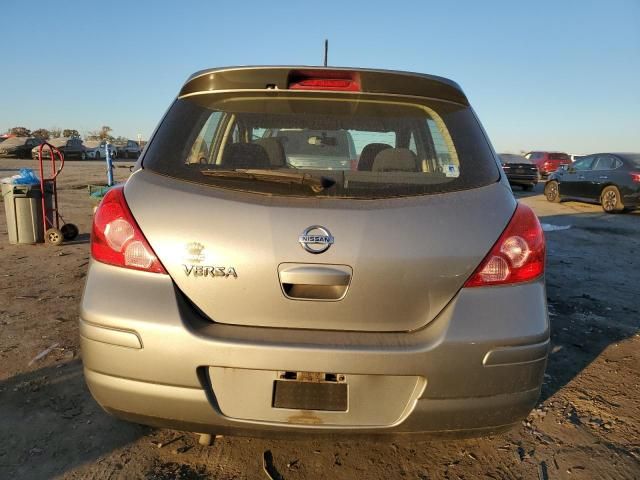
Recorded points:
(587, 424)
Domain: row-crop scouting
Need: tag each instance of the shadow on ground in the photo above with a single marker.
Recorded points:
(49, 424)
(590, 289)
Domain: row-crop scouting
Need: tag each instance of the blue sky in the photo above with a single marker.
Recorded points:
(541, 75)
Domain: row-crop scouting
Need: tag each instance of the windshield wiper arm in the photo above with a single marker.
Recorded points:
(317, 184)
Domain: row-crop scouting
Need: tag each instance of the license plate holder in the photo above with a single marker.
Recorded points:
(323, 396)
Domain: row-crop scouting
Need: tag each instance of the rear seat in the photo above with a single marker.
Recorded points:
(395, 160)
(245, 155)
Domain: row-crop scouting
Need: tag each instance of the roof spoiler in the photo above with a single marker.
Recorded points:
(285, 78)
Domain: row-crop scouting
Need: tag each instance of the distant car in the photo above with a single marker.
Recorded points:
(98, 150)
(519, 170)
(548, 162)
(333, 149)
(130, 150)
(71, 148)
(18, 147)
(611, 179)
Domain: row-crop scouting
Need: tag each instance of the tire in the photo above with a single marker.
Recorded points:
(53, 236)
(610, 200)
(83, 156)
(97, 156)
(552, 191)
(69, 231)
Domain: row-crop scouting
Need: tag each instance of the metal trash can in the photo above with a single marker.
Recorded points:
(23, 209)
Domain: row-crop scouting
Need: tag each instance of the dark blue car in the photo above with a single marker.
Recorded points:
(611, 179)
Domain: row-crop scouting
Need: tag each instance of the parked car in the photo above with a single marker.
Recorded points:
(256, 296)
(19, 147)
(519, 170)
(611, 179)
(548, 162)
(130, 150)
(331, 149)
(98, 149)
(71, 147)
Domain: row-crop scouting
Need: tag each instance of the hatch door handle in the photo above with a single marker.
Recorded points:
(580, 177)
(314, 275)
(603, 177)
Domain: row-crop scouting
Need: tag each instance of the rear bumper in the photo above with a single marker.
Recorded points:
(523, 179)
(477, 368)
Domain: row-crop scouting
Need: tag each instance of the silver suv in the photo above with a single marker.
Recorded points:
(234, 289)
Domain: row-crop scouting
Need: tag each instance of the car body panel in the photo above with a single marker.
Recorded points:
(179, 346)
(402, 289)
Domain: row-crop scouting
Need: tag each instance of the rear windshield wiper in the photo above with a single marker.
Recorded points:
(317, 184)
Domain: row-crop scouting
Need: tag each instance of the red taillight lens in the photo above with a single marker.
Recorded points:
(517, 256)
(346, 85)
(116, 238)
(635, 177)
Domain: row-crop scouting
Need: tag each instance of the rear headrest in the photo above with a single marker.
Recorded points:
(245, 155)
(368, 155)
(395, 160)
(275, 151)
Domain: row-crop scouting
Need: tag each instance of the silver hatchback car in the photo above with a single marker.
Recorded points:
(234, 289)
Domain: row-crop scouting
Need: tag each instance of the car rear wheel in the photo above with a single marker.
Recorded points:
(552, 192)
(611, 201)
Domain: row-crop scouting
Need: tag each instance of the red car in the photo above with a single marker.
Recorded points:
(548, 162)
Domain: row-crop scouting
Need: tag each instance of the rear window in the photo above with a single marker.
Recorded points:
(288, 144)
(559, 156)
(511, 158)
(634, 158)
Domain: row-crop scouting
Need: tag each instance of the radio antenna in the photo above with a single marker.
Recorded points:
(326, 51)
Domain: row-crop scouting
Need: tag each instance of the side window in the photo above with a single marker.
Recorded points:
(412, 144)
(362, 138)
(446, 160)
(583, 164)
(235, 134)
(202, 147)
(604, 162)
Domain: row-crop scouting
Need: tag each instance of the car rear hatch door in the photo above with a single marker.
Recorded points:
(393, 266)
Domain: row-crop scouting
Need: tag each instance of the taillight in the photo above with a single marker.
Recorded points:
(635, 177)
(325, 84)
(517, 256)
(337, 80)
(116, 238)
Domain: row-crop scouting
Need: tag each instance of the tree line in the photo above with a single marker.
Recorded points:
(103, 133)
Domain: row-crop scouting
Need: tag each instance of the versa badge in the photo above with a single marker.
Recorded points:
(195, 255)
